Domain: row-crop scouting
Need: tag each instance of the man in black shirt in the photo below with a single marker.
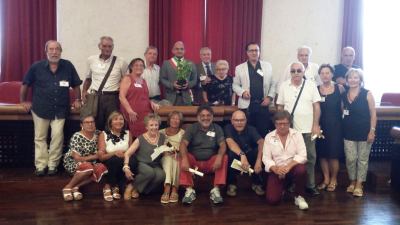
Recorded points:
(348, 56)
(245, 144)
(50, 80)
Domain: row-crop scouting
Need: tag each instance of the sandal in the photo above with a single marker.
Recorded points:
(135, 193)
(358, 192)
(77, 194)
(67, 194)
(331, 187)
(115, 193)
(107, 195)
(165, 198)
(322, 186)
(350, 188)
(174, 197)
(128, 192)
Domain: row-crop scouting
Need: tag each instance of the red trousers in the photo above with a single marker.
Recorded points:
(186, 178)
(275, 185)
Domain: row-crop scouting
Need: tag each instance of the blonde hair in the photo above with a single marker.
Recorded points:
(152, 116)
(359, 72)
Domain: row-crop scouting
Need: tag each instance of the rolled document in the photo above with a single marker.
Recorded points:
(159, 150)
(195, 171)
(315, 136)
(236, 164)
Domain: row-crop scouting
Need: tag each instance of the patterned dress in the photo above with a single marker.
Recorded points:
(81, 145)
(219, 90)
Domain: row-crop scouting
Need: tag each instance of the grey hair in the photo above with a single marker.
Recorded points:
(305, 47)
(359, 72)
(51, 41)
(222, 62)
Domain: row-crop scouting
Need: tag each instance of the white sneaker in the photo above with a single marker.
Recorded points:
(190, 196)
(215, 196)
(300, 202)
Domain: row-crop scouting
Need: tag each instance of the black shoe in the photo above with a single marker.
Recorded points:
(52, 172)
(312, 191)
(40, 173)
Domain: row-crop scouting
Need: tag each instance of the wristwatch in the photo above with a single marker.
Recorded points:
(241, 153)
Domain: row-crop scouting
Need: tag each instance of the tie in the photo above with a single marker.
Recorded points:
(209, 73)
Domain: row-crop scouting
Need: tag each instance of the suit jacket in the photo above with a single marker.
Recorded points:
(200, 71)
(168, 77)
(241, 82)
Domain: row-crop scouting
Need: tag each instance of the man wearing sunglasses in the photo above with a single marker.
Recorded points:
(301, 98)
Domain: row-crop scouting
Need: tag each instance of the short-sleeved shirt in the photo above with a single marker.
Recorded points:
(247, 139)
(219, 90)
(303, 114)
(97, 69)
(51, 90)
(203, 144)
(152, 77)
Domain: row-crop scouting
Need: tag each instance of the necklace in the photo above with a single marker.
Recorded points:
(152, 140)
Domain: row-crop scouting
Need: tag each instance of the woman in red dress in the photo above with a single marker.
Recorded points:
(134, 97)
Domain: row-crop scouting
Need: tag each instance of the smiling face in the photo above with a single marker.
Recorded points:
(151, 55)
(354, 80)
(137, 68)
(205, 118)
(106, 47)
(174, 121)
(152, 126)
(117, 122)
(53, 51)
(205, 55)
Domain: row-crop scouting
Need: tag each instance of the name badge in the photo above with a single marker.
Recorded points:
(260, 72)
(346, 112)
(211, 133)
(322, 99)
(64, 83)
(274, 141)
(138, 85)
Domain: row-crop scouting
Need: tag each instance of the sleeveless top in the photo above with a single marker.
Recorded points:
(357, 124)
(114, 143)
(143, 154)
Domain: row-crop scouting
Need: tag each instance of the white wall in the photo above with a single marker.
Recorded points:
(80, 24)
(289, 24)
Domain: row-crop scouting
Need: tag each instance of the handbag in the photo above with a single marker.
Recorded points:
(295, 104)
(92, 99)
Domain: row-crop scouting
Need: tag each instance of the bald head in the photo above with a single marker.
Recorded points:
(179, 49)
(239, 120)
(348, 56)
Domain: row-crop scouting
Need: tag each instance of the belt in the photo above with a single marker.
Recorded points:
(105, 92)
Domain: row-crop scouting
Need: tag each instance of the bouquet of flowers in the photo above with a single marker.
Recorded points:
(184, 68)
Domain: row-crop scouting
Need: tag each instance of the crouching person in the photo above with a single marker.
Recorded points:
(284, 156)
(203, 147)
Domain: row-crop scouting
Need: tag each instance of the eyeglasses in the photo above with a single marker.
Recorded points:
(281, 124)
(296, 71)
(88, 122)
(253, 50)
(239, 120)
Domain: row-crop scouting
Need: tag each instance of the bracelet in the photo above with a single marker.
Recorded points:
(125, 167)
(373, 128)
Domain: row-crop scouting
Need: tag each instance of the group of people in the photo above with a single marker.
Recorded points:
(319, 109)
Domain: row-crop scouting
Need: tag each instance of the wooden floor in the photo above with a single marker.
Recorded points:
(25, 199)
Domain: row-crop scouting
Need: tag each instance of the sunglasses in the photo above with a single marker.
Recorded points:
(296, 71)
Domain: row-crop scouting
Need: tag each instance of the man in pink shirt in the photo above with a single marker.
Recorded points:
(284, 156)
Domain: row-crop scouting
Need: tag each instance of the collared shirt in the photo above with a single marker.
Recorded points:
(51, 90)
(303, 114)
(152, 77)
(256, 82)
(97, 69)
(247, 139)
(274, 153)
(203, 144)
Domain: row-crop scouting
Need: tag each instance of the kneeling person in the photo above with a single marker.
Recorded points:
(203, 146)
(245, 144)
(284, 156)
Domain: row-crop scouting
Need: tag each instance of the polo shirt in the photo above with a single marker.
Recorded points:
(203, 144)
(303, 115)
(50, 97)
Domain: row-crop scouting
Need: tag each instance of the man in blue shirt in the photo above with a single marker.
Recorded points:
(50, 80)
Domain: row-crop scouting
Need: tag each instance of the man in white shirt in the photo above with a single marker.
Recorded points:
(305, 116)
(255, 87)
(97, 67)
(151, 73)
(311, 69)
